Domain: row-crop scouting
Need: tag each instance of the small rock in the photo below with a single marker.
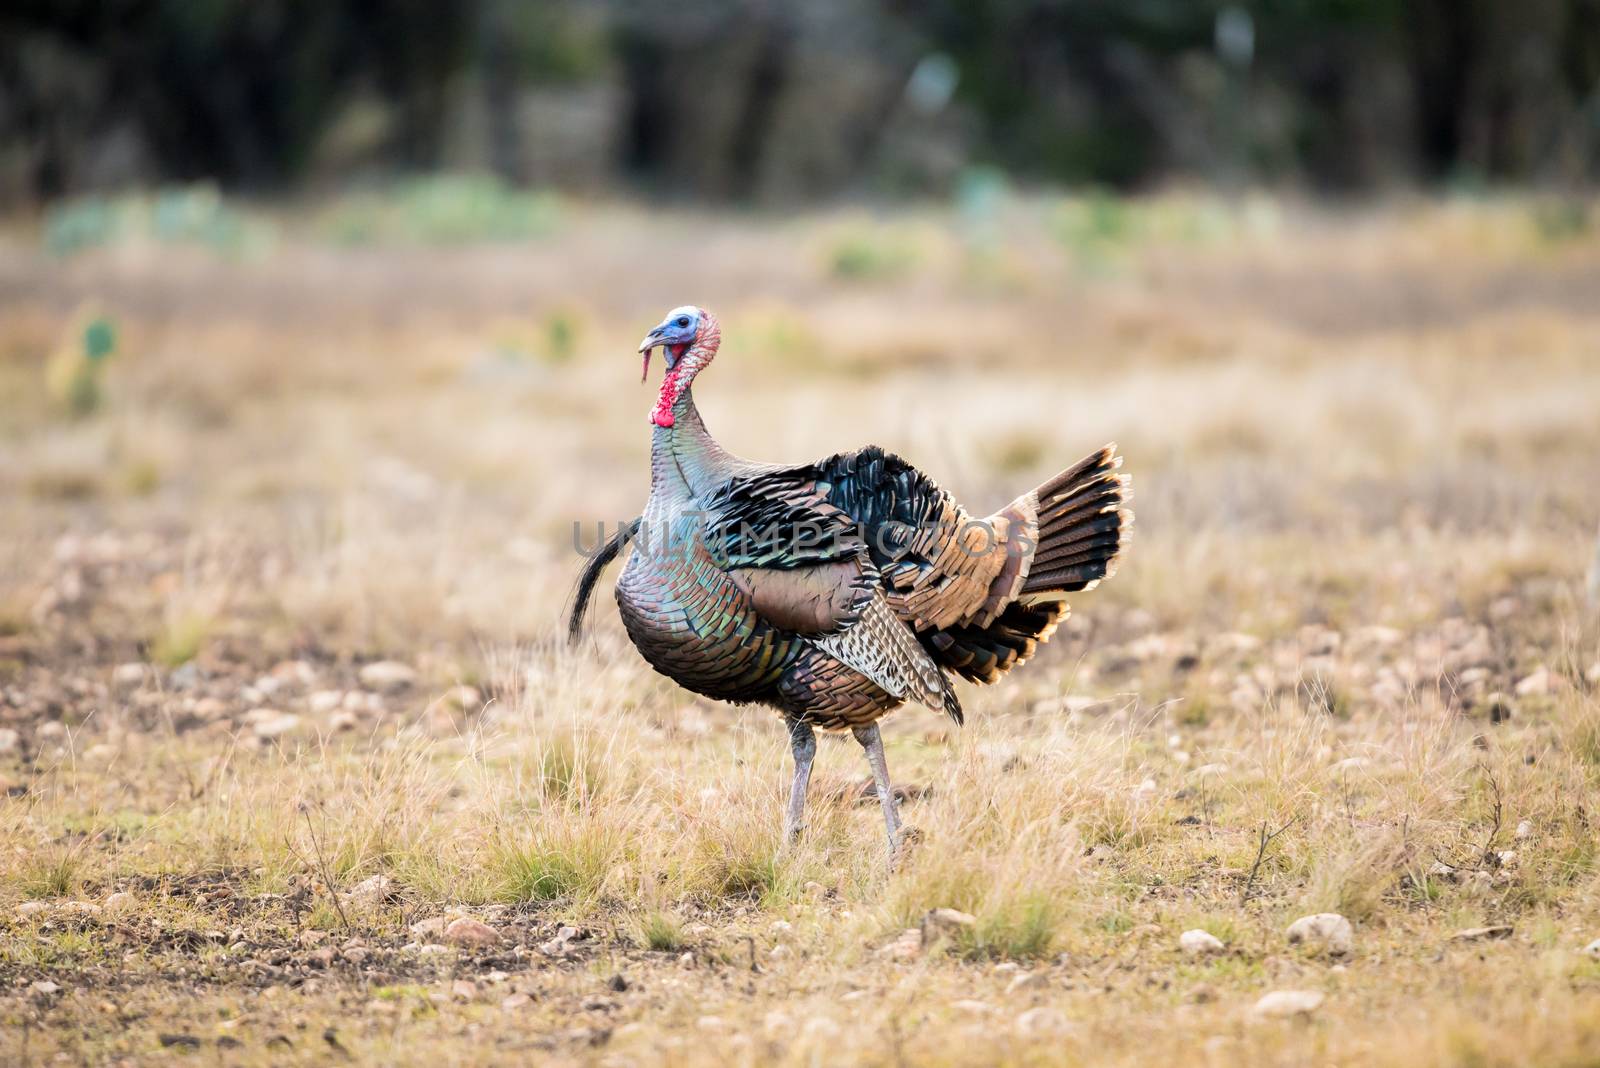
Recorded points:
(340, 722)
(686, 960)
(271, 723)
(428, 949)
(324, 701)
(1024, 981)
(947, 922)
(374, 890)
(1538, 684)
(387, 676)
(1327, 931)
(50, 730)
(210, 708)
(119, 901)
(515, 1002)
(1593, 674)
(432, 927)
(1041, 1021)
(906, 946)
(1006, 967)
(10, 741)
(781, 928)
(355, 954)
(1593, 949)
(559, 945)
(322, 958)
(1525, 830)
(81, 908)
(44, 988)
(470, 932)
(1483, 934)
(128, 675)
(463, 990)
(1283, 1004)
(33, 908)
(1198, 943)
(778, 952)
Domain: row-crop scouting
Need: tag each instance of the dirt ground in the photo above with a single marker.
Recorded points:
(296, 768)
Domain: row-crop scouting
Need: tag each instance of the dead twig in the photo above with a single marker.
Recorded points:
(1264, 840)
(324, 871)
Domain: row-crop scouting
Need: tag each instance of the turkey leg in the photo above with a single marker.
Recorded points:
(872, 742)
(803, 740)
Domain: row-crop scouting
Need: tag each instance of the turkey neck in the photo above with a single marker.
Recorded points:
(686, 463)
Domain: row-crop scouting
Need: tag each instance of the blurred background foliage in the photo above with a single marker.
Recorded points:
(762, 101)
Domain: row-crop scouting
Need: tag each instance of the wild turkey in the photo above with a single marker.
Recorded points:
(836, 591)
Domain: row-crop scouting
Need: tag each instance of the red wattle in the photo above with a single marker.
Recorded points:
(662, 415)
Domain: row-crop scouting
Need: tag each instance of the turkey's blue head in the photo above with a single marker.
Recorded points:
(688, 338)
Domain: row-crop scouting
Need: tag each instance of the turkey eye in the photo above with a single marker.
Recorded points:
(683, 322)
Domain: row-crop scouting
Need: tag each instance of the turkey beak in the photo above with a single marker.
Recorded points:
(651, 340)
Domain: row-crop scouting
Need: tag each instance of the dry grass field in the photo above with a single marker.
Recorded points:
(282, 690)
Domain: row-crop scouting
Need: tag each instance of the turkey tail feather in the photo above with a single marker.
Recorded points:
(592, 571)
(1084, 524)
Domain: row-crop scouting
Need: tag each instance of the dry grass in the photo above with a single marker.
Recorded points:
(1365, 450)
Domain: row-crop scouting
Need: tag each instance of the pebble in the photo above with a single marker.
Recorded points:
(33, 908)
(1525, 830)
(387, 676)
(342, 721)
(515, 1002)
(271, 723)
(463, 990)
(1041, 1021)
(1327, 931)
(1538, 684)
(370, 891)
(44, 987)
(1282, 1004)
(10, 741)
(324, 701)
(906, 946)
(128, 674)
(120, 900)
(432, 927)
(210, 708)
(470, 932)
(948, 922)
(1023, 981)
(1198, 943)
